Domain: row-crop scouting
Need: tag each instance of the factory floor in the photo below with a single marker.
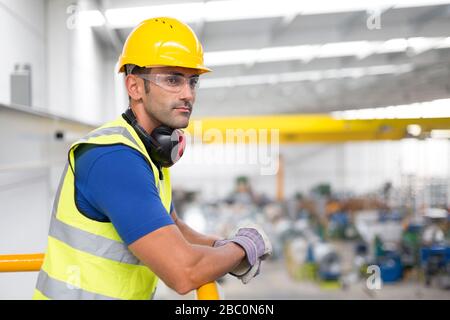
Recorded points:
(275, 283)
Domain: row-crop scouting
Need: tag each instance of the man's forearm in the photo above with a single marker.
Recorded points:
(193, 236)
(212, 263)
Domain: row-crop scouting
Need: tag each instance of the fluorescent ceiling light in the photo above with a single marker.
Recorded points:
(130, 17)
(414, 130)
(444, 43)
(430, 109)
(306, 53)
(440, 134)
(314, 75)
(343, 49)
(251, 9)
(393, 45)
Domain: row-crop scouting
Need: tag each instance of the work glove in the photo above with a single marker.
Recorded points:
(257, 247)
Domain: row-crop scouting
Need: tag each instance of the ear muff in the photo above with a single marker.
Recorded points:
(164, 145)
(169, 144)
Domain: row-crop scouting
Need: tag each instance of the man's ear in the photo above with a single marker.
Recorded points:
(134, 89)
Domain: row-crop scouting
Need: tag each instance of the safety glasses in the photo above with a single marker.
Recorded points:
(172, 82)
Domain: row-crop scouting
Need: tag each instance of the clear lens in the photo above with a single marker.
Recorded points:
(172, 82)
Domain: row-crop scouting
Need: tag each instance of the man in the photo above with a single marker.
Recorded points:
(111, 234)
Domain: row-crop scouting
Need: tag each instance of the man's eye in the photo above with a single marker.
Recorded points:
(193, 82)
(173, 81)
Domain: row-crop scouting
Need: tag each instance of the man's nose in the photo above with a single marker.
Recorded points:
(187, 92)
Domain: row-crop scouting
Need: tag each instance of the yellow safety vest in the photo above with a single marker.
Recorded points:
(87, 259)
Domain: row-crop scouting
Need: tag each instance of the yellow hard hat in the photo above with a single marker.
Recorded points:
(162, 42)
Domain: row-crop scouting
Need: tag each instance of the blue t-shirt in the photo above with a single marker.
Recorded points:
(114, 183)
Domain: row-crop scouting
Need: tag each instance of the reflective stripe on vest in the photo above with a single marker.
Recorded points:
(91, 243)
(109, 131)
(85, 241)
(55, 289)
(108, 269)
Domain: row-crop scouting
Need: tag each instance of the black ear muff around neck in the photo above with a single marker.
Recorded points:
(164, 145)
(170, 145)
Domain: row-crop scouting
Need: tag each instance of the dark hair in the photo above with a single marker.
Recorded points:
(138, 70)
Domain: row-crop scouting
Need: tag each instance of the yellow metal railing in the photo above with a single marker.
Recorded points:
(33, 262)
(21, 262)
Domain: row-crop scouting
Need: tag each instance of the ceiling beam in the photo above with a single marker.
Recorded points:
(429, 16)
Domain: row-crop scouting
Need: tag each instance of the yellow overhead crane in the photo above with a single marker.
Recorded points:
(314, 128)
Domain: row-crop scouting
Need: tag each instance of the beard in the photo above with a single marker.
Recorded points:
(170, 116)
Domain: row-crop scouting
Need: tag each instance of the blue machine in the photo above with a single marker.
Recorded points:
(328, 261)
(435, 260)
(339, 223)
(441, 251)
(391, 267)
(329, 267)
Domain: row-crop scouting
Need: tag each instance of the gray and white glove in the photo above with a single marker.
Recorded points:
(257, 247)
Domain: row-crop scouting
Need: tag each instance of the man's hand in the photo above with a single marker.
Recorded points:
(257, 247)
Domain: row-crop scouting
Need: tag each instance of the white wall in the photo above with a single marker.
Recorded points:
(363, 167)
(31, 162)
(355, 167)
(22, 33)
(87, 76)
(58, 59)
(72, 74)
(80, 77)
(115, 95)
(23, 38)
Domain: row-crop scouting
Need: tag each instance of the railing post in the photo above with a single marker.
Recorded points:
(208, 291)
